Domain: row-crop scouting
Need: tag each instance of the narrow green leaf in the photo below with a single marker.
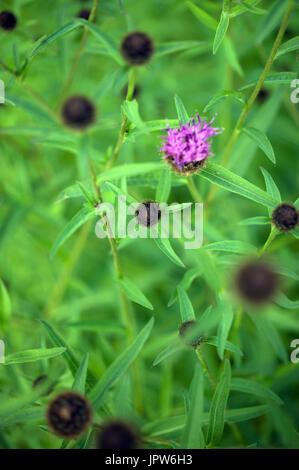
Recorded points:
(134, 293)
(129, 169)
(32, 355)
(120, 365)
(259, 220)
(76, 222)
(226, 320)
(275, 78)
(269, 332)
(166, 248)
(222, 95)
(176, 46)
(283, 301)
(186, 308)
(271, 188)
(173, 348)
(228, 346)
(231, 56)
(203, 16)
(221, 31)
(261, 140)
(181, 111)
(253, 388)
(5, 307)
(232, 246)
(218, 406)
(80, 377)
(193, 437)
(131, 110)
(288, 46)
(66, 29)
(234, 183)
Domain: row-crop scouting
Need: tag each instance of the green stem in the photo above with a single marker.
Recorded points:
(121, 137)
(273, 234)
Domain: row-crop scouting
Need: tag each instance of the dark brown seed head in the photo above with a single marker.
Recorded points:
(69, 415)
(135, 93)
(84, 14)
(78, 112)
(39, 380)
(188, 332)
(148, 213)
(8, 21)
(117, 435)
(285, 217)
(137, 48)
(256, 282)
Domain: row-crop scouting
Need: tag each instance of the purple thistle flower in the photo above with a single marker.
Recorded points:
(186, 148)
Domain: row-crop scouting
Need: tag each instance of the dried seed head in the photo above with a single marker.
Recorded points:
(8, 20)
(285, 217)
(188, 332)
(39, 380)
(256, 282)
(137, 48)
(148, 213)
(78, 112)
(69, 415)
(117, 435)
(84, 14)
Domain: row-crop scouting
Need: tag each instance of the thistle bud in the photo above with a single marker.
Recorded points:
(85, 13)
(188, 332)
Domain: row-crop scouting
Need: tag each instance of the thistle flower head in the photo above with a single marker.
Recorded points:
(186, 148)
(69, 415)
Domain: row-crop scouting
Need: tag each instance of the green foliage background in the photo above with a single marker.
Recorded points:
(77, 292)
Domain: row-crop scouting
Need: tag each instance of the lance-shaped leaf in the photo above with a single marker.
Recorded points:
(261, 140)
(134, 293)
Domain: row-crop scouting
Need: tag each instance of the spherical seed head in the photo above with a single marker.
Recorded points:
(78, 112)
(84, 14)
(187, 148)
(285, 217)
(137, 48)
(69, 415)
(8, 20)
(148, 213)
(256, 282)
(189, 338)
(117, 435)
